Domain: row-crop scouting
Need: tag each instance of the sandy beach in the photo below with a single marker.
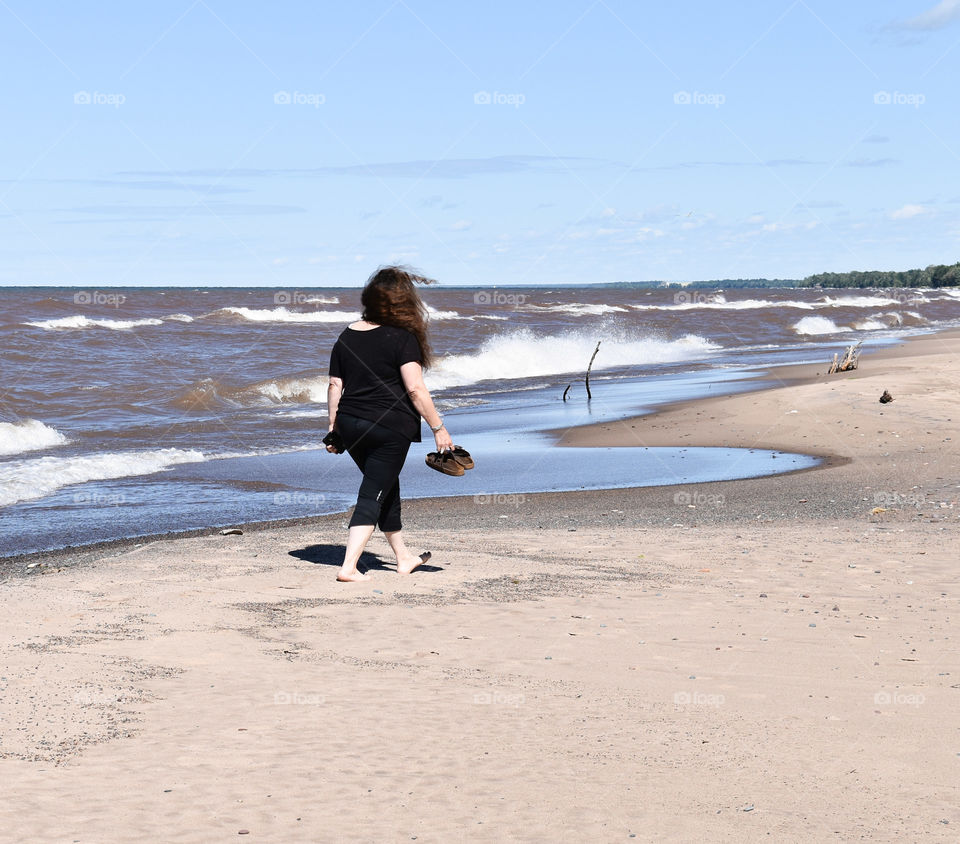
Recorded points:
(768, 659)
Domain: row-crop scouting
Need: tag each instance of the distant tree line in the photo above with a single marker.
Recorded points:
(936, 275)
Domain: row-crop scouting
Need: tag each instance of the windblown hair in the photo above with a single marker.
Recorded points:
(390, 298)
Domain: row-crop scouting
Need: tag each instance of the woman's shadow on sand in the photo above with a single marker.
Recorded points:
(332, 555)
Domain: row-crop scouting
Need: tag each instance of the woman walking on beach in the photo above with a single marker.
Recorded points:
(376, 398)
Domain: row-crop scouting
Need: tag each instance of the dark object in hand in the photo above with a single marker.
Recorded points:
(334, 439)
(886, 397)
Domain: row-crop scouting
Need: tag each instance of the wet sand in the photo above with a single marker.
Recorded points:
(768, 659)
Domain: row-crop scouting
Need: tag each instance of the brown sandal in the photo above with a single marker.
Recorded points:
(444, 462)
(462, 456)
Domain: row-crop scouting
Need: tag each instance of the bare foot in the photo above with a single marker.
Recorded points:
(409, 565)
(353, 577)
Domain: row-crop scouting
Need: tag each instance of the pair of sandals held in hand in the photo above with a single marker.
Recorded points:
(453, 462)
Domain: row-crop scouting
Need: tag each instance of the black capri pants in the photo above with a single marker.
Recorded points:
(379, 453)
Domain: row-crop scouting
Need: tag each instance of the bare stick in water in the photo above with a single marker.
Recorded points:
(566, 391)
(589, 366)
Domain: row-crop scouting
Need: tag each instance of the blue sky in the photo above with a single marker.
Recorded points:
(207, 143)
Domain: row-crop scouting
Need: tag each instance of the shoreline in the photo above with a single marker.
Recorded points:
(671, 424)
(588, 661)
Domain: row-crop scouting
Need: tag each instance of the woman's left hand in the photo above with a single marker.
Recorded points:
(444, 440)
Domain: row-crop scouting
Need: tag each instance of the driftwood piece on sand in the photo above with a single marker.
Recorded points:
(851, 357)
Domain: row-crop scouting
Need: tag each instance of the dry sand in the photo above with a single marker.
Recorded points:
(773, 659)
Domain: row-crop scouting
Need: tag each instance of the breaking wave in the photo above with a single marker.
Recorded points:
(282, 314)
(66, 323)
(525, 354)
(29, 435)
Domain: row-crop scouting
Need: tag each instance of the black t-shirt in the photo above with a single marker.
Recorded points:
(368, 363)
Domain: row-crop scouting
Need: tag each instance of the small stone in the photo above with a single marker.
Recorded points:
(763, 594)
(243, 832)
(748, 808)
(811, 624)
(232, 532)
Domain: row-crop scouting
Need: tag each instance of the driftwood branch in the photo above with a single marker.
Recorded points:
(851, 357)
(589, 367)
(587, 378)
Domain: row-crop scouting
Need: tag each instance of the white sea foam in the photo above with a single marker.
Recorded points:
(23, 480)
(524, 354)
(861, 301)
(282, 314)
(815, 325)
(294, 390)
(322, 300)
(29, 479)
(697, 300)
(28, 435)
(180, 317)
(576, 309)
(435, 314)
(870, 324)
(297, 414)
(65, 323)
(694, 300)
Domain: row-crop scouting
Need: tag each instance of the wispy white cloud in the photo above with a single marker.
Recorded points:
(941, 15)
(908, 212)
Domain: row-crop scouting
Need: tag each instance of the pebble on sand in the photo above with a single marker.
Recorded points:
(232, 532)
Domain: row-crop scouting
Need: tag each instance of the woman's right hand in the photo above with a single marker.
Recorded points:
(444, 440)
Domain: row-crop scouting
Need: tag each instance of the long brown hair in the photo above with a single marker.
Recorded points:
(390, 298)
